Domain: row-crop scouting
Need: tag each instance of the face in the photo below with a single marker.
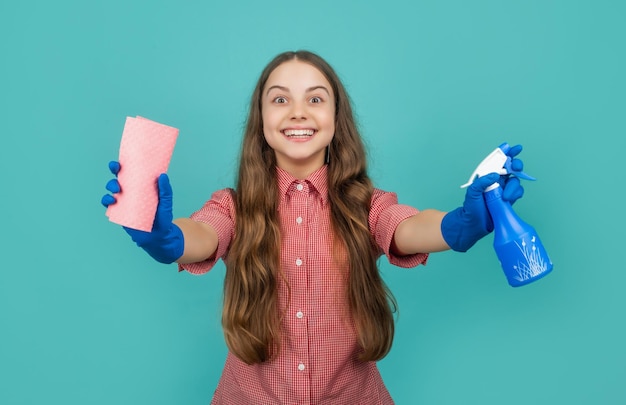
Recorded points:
(298, 111)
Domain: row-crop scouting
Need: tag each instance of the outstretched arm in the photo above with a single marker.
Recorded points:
(433, 231)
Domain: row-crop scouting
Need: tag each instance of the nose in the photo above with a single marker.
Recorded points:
(298, 111)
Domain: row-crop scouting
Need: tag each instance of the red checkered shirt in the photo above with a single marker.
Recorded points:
(317, 363)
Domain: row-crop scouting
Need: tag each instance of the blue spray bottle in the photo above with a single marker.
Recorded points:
(517, 245)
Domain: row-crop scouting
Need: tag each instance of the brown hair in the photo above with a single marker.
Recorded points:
(251, 318)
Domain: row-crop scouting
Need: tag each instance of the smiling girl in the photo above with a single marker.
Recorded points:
(306, 313)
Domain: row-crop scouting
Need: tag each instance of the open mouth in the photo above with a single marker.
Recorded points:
(299, 133)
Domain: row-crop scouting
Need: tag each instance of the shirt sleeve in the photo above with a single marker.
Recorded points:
(219, 212)
(385, 216)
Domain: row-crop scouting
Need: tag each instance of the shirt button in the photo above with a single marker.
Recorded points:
(299, 187)
(301, 367)
(299, 220)
(299, 314)
(298, 262)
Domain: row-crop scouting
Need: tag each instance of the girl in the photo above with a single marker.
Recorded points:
(306, 314)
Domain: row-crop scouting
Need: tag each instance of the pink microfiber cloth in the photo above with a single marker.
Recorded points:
(145, 152)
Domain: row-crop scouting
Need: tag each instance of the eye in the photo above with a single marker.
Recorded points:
(280, 100)
(316, 100)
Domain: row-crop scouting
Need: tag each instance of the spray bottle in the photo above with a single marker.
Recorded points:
(517, 245)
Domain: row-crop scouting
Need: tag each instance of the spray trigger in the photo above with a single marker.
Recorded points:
(497, 162)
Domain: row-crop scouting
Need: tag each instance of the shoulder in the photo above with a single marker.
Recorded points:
(385, 209)
(221, 201)
(382, 198)
(225, 196)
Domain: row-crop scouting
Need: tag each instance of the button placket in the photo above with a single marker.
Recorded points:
(298, 219)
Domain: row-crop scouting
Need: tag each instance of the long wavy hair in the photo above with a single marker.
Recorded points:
(251, 317)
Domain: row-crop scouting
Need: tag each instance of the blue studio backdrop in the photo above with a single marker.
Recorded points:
(88, 318)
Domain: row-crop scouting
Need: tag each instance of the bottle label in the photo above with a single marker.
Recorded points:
(523, 260)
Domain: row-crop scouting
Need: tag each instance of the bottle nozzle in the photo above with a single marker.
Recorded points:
(497, 162)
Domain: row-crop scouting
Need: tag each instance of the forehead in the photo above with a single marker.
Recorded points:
(296, 75)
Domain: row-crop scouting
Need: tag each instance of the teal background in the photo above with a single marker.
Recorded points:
(87, 318)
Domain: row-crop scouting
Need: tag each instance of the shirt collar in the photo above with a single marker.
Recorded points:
(318, 181)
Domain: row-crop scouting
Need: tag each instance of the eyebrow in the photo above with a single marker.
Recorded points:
(285, 89)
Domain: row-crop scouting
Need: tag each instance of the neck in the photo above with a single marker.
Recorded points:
(301, 172)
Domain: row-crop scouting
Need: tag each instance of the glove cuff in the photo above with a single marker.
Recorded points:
(458, 234)
(167, 248)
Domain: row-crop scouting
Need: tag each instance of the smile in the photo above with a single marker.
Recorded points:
(300, 133)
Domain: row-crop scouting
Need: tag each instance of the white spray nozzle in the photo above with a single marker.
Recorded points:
(493, 163)
(497, 162)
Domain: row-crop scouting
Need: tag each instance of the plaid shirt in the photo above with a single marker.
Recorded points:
(317, 363)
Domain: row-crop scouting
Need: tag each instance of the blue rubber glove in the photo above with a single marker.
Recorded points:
(466, 225)
(165, 243)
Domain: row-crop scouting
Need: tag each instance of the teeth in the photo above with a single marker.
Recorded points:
(299, 132)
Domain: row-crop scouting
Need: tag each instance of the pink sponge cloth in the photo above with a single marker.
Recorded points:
(145, 152)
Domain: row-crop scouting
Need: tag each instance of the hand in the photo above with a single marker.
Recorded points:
(464, 226)
(165, 243)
